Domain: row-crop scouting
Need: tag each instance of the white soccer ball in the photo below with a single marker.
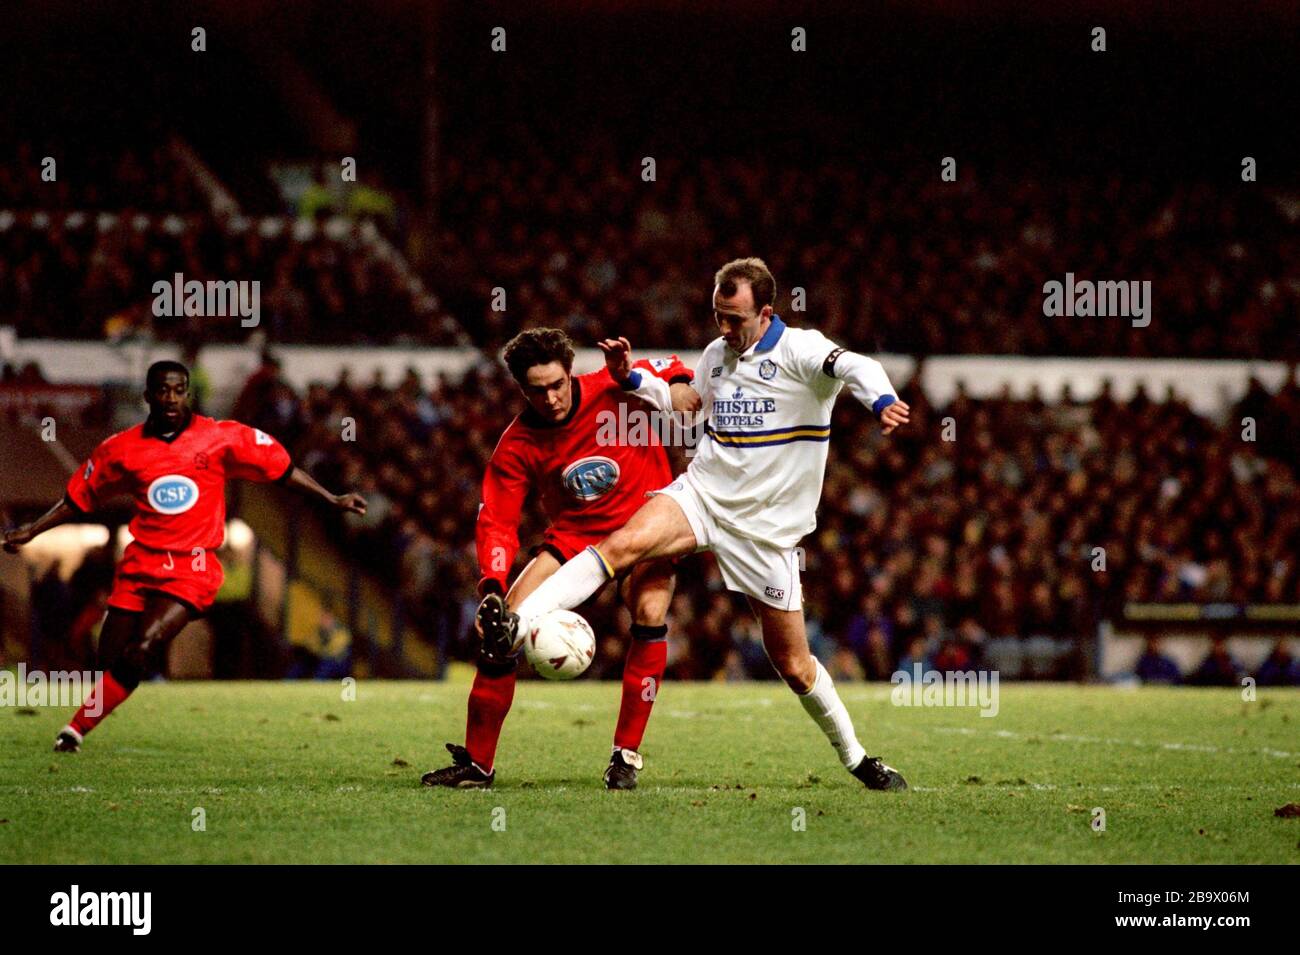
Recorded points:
(560, 645)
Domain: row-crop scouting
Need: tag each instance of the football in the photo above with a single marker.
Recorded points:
(560, 645)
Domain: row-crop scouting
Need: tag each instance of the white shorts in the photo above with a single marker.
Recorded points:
(753, 568)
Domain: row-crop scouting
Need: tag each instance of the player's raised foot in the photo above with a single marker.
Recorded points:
(499, 627)
(68, 741)
(876, 775)
(463, 773)
(622, 769)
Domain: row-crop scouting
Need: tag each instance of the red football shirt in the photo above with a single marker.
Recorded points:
(589, 485)
(178, 484)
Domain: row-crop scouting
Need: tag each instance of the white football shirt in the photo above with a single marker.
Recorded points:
(762, 461)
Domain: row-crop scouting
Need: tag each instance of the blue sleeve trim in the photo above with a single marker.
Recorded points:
(881, 403)
(633, 381)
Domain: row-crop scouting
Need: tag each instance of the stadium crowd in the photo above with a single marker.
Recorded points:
(585, 243)
(929, 267)
(1002, 547)
(145, 179)
(77, 276)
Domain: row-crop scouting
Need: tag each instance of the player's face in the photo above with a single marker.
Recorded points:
(737, 320)
(549, 389)
(169, 398)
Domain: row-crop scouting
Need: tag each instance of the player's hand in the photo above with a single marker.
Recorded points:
(686, 400)
(350, 502)
(618, 357)
(15, 538)
(894, 416)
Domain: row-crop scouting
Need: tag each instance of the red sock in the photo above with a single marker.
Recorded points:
(643, 672)
(489, 702)
(103, 699)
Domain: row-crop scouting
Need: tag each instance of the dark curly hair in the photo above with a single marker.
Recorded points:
(537, 346)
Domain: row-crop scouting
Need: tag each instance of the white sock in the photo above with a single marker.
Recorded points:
(829, 712)
(565, 589)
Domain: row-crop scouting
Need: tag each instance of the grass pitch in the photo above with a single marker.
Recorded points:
(291, 773)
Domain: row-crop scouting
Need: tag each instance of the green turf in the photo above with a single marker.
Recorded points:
(290, 773)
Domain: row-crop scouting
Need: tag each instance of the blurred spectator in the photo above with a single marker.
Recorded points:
(1280, 669)
(1154, 667)
(327, 656)
(1218, 668)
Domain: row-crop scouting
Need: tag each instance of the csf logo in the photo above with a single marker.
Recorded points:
(590, 478)
(173, 494)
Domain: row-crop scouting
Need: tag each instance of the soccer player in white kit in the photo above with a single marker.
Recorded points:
(749, 495)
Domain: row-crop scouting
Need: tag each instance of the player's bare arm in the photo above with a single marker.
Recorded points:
(60, 513)
(302, 481)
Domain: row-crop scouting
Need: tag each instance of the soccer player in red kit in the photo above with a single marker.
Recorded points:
(590, 479)
(175, 466)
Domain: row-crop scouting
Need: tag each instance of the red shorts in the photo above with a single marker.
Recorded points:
(191, 580)
(565, 545)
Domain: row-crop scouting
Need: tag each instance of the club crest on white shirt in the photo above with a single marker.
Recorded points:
(767, 370)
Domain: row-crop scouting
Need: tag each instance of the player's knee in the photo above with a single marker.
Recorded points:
(797, 670)
(651, 610)
(131, 665)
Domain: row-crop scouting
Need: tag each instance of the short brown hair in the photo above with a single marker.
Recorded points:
(752, 270)
(537, 346)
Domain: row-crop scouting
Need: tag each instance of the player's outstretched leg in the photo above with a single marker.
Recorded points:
(658, 529)
(786, 643)
(129, 643)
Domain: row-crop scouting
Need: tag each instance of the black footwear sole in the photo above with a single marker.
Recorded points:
(426, 780)
(491, 620)
(620, 783)
(876, 776)
(621, 772)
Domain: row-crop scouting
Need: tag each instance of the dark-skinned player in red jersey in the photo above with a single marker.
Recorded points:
(175, 466)
(589, 486)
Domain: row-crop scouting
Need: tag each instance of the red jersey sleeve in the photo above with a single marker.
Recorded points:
(670, 369)
(506, 483)
(99, 478)
(253, 455)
